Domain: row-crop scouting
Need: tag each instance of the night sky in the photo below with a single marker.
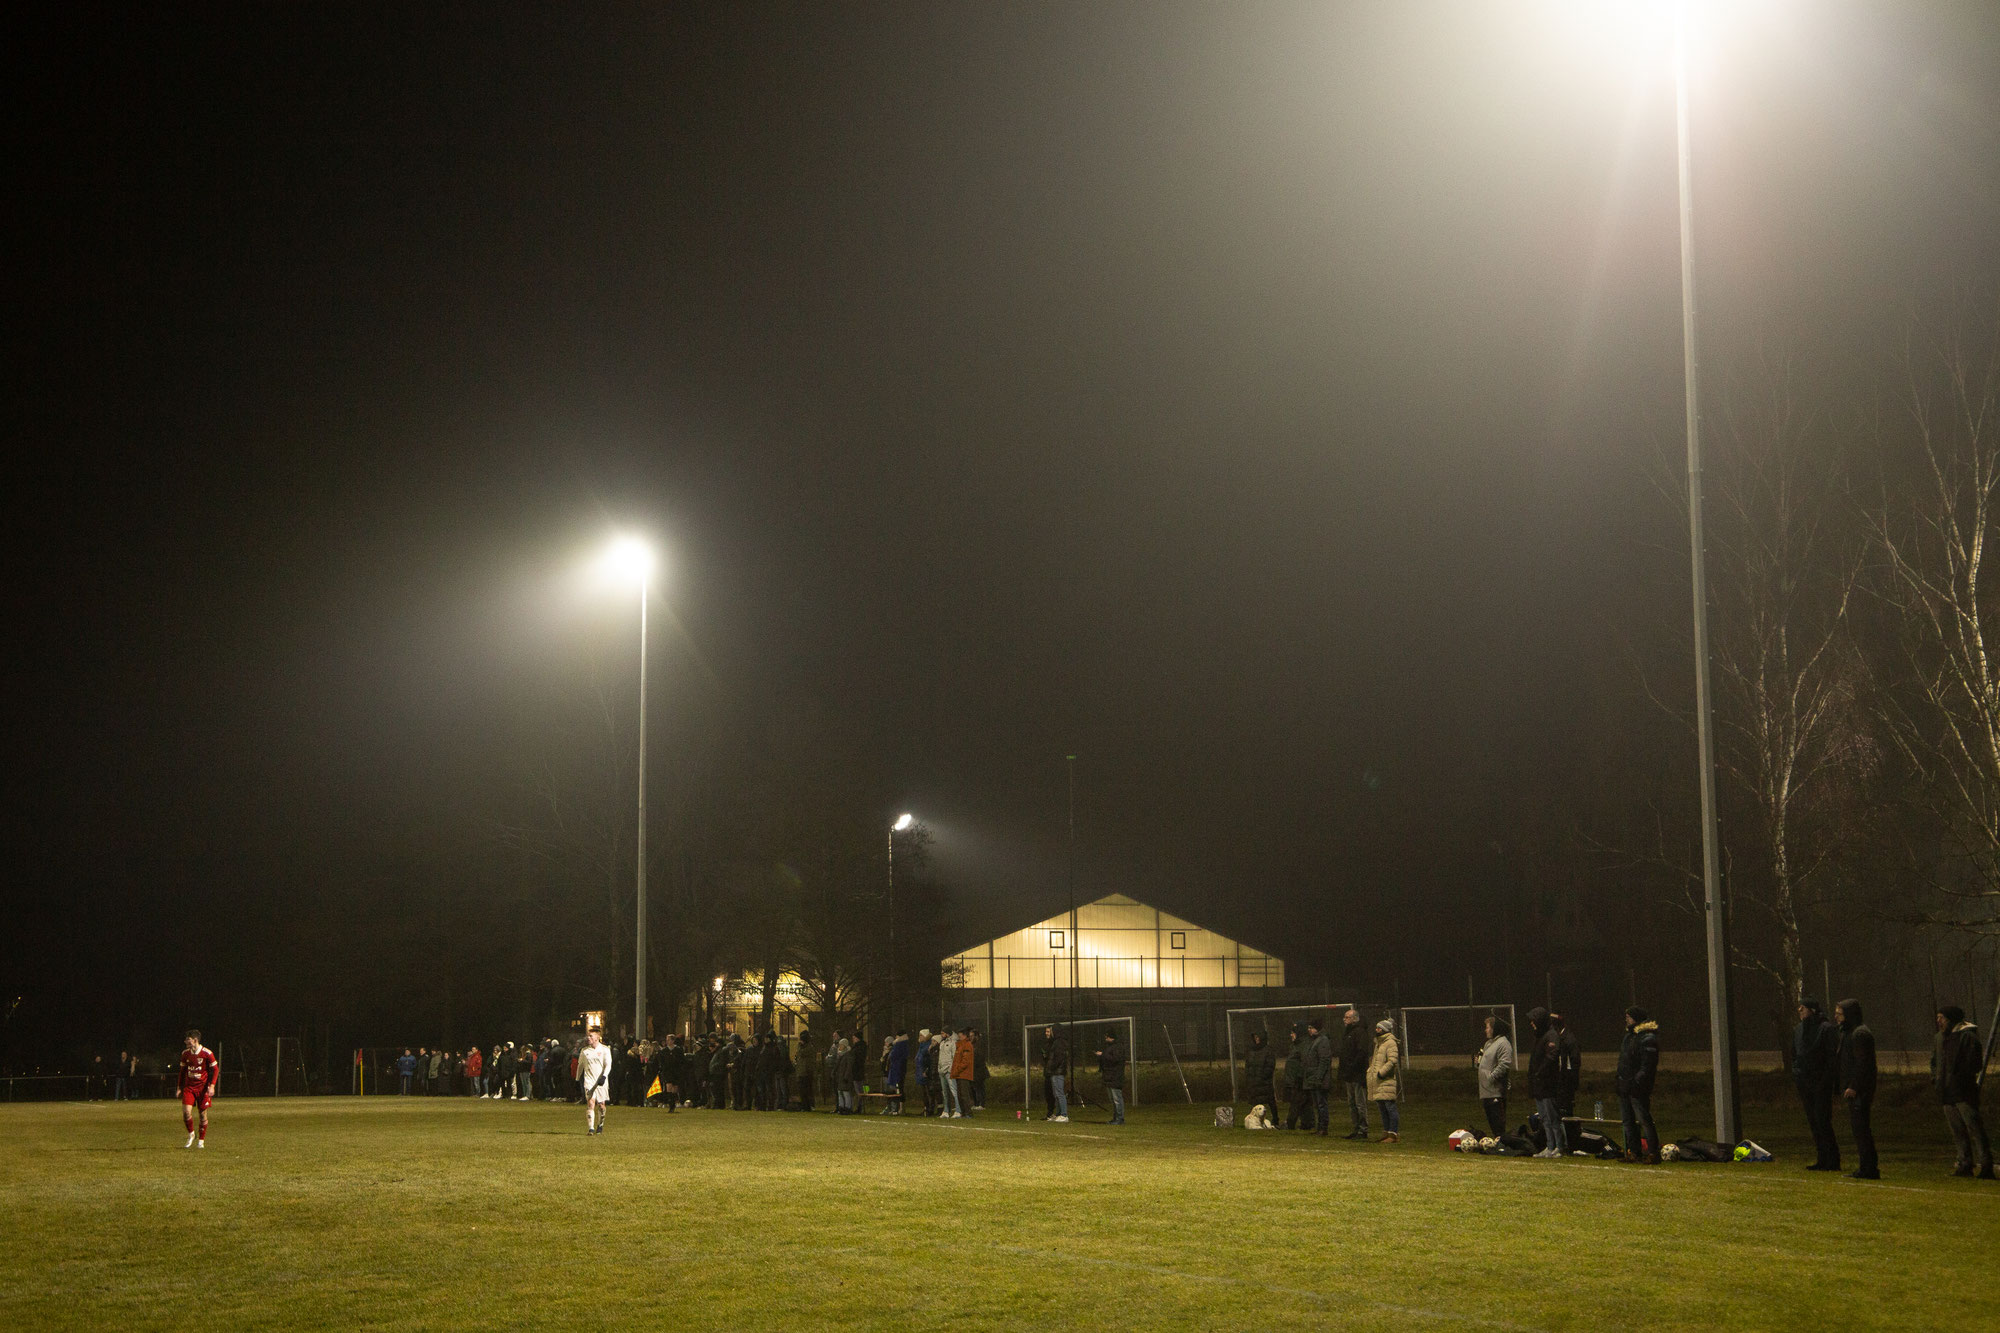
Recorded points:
(1253, 400)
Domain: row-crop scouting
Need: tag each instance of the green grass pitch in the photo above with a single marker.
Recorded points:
(390, 1212)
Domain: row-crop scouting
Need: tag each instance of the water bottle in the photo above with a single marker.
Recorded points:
(1598, 1114)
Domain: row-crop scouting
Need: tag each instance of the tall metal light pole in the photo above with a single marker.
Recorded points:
(902, 823)
(632, 558)
(1721, 1024)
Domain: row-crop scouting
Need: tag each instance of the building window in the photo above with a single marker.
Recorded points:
(1177, 939)
(788, 1023)
(1056, 940)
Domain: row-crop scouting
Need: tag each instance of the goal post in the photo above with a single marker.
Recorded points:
(1261, 1020)
(1447, 1036)
(1070, 1026)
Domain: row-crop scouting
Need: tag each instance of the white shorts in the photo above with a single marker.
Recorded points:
(600, 1096)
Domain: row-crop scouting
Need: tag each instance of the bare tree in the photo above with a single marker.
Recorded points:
(1933, 530)
(1785, 565)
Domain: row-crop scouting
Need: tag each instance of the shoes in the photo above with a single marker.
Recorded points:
(1963, 1169)
(1062, 1120)
(1864, 1175)
(1986, 1172)
(1392, 1137)
(1357, 1134)
(201, 1143)
(1821, 1166)
(190, 1144)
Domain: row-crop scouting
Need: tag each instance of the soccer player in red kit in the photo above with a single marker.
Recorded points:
(200, 1072)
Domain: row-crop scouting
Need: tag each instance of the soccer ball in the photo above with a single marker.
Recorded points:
(1670, 1153)
(1460, 1138)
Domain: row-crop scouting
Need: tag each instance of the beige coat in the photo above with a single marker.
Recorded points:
(1382, 1068)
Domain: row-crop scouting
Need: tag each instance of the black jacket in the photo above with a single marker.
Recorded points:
(1569, 1053)
(1318, 1056)
(1260, 1068)
(1111, 1065)
(1815, 1051)
(1956, 1063)
(1356, 1049)
(1544, 1057)
(1639, 1060)
(1055, 1056)
(1857, 1054)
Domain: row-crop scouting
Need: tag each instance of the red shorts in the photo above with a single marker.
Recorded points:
(196, 1097)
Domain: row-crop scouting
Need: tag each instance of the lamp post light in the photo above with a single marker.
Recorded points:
(1721, 1021)
(902, 825)
(631, 558)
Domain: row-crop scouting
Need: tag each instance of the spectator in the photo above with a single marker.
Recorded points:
(1295, 1079)
(1383, 1066)
(406, 1069)
(1545, 1081)
(1815, 1069)
(1956, 1063)
(926, 1060)
(1055, 1073)
(1111, 1068)
(1495, 1062)
(1355, 1054)
(1260, 1071)
(1319, 1072)
(1857, 1084)
(962, 1060)
(434, 1076)
(128, 1070)
(899, 1067)
(803, 1066)
(1569, 1064)
(718, 1073)
(766, 1070)
(1638, 1065)
(947, 1069)
(475, 1072)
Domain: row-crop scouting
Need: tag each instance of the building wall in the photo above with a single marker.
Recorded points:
(1117, 943)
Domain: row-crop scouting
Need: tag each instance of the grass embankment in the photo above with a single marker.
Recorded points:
(331, 1213)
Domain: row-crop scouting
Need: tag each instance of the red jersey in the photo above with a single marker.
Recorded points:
(200, 1070)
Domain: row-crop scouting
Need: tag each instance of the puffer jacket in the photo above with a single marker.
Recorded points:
(1260, 1067)
(1319, 1063)
(1383, 1066)
(1496, 1062)
(1354, 1053)
(1639, 1059)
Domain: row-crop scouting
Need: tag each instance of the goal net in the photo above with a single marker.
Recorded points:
(1448, 1037)
(1085, 1036)
(1275, 1023)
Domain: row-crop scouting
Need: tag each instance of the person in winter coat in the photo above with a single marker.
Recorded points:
(475, 1071)
(963, 1058)
(718, 1074)
(1569, 1065)
(802, 1068)
(1383, 1066)
(1857, 1083)
(1638, 1067)
(1495, 1062)
(406, 1069)
(1055, 1073)
(1955, 1066)
(1111, 1069)
(899, 1068)
(1815, 1069)
(1355, 1053)
(947, 1068)
(1319, 1072)
(1295, 1081)
(1260, 1069)
(1545, 1080)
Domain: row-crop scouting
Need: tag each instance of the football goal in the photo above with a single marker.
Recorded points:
(1076, 1029)
(1275, 1022)
(1448, 1036)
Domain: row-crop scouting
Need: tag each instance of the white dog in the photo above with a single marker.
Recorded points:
(1259, 1118)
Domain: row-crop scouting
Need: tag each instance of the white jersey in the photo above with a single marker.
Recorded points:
(593, 1071)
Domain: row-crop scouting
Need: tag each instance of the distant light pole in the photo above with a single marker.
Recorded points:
(902, 825)
(1721, 1022)
(628, 557)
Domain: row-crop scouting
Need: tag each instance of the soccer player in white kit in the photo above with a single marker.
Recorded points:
(593, 1073)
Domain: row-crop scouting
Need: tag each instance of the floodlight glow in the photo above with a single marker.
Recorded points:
(905, 821)
(629, 559)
